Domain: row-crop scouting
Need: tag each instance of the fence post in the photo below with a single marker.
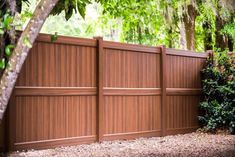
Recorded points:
(163, 90)
(99, 84)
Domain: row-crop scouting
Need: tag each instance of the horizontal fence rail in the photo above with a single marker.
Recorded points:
(75, 91)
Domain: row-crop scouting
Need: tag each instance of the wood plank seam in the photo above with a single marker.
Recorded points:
(163, 86)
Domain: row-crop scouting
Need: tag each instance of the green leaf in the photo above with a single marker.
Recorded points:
(27, 42)
(8, 49)
(2, 63)
(7, 21)
(68, 14)
(54, 37)
(81, 9)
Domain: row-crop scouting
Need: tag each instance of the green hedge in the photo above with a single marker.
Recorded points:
(218, 107)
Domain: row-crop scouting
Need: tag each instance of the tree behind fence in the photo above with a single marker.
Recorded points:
(77, 91)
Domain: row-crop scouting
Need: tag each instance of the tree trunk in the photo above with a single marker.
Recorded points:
(230, 39)
(12, 32)
(230, 44)
(170, 37)
(187, 30)
(221, 41)
(21, 51)
(208, 36)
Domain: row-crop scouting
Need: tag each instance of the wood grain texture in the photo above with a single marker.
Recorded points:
(59, 65)
(100, 84)
(67, 40)
(3, 134)
(43, 144)
(55, 96)
(42, 117)
(182, 112)
(132, 91)
(163, 88)
(76, 91)
(132, 103)
(50, 91)
(131, 47)
(186, 53)
(183, 91)
(125, 114)
(132, 135)
(184, 72)
(127, 69)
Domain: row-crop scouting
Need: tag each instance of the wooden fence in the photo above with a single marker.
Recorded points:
(77, 91)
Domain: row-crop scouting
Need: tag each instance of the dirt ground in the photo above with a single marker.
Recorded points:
(188, 145)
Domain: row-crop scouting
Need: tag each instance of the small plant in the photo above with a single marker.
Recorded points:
(218, 108)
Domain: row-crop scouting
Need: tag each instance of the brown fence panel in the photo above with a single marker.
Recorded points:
(183, 90)
(2, 135)
(2, 126)
(55, 96)
(132, 102)
(75, 91)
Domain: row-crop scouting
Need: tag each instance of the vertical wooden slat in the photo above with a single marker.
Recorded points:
(163, 88)
(12, 121)
(100, 109)
(4, 132)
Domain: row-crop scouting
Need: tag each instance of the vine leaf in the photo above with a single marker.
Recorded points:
(8, 49)
(2, 63)
(54, 37)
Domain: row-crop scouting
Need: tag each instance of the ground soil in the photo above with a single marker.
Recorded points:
(193, 144)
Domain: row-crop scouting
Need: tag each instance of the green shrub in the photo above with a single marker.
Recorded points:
(218, 107)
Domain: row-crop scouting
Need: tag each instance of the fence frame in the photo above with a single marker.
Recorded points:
(101, 90)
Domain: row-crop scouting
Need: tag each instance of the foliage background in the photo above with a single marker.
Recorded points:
(218, 109)
(154, 22)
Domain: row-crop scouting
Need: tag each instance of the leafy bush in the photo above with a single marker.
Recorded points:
(218, 108)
